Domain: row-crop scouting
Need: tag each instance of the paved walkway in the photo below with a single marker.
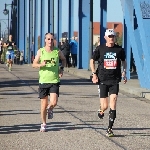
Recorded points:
(75, 125)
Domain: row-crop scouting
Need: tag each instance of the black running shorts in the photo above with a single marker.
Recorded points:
(111, 89)
(46, 88)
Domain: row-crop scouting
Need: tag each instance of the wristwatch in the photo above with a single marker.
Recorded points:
(93, 73)
(62, 68)
(124, 71)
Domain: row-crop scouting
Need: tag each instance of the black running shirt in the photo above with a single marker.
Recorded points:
(109, 62)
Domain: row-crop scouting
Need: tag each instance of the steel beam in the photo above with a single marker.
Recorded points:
(134, 45)
(142, 12)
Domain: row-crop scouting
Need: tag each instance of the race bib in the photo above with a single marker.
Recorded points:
(9, 47)
(110, 60)
(51, 62)
(8, 52)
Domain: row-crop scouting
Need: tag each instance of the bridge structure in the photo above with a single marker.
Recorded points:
(136, 34)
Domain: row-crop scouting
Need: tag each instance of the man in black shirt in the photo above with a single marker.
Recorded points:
(66, 51)
(109, 57)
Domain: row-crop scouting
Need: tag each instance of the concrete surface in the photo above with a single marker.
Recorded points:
(75, 125)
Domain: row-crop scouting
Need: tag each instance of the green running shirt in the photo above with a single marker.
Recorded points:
(50, 72)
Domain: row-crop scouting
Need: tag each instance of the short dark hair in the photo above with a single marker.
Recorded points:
(48, 33)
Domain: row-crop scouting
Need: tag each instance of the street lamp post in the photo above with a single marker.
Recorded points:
(1, 20)
(6, 12)
(0, 30)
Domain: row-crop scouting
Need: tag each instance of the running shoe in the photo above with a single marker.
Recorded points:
(10, 69)
(109, 133)
(7, 64)
(100, 114)
(43, 128)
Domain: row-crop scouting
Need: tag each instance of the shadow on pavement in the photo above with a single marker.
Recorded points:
(76, 82)
(18, 93)
(18, 83)
(16, 112)
(53, 126)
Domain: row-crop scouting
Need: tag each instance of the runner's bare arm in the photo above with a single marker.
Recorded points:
(5, 45)
(92, 65)
(62, 57)
(36, 60)
(124, 65)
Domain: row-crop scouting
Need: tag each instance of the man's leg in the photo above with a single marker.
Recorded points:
(54, 94)
(67, 61)
(103, 100)
(73, 60)
(11, 60)
(53, 100)
(114, 89)
(43, 95)
(7, 59)
(10, 65)
(44, 103)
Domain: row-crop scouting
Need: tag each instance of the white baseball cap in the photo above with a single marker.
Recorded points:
(110, 32)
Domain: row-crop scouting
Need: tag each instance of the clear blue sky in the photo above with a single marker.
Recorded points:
(115, 13)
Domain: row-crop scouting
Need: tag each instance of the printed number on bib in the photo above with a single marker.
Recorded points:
(110, 60)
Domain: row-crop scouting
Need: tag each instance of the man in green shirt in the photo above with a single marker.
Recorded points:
(47, 59)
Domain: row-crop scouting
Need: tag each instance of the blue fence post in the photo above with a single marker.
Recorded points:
(127, 49)
(21, 25)
(71, 19)
(84, 34)
(18, 8)
(36, 26)
(51, 16)
(30, 29)
(25, 31)
(103, 22)
(59, 24)
(42, 37)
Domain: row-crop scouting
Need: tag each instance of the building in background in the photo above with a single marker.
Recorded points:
(117, 26)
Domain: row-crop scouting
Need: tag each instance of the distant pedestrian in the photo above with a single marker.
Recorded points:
(65, 47)
(74, 47)
(10, 52)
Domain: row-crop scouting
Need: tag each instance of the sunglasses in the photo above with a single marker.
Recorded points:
(111, 36)
(50, 39)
